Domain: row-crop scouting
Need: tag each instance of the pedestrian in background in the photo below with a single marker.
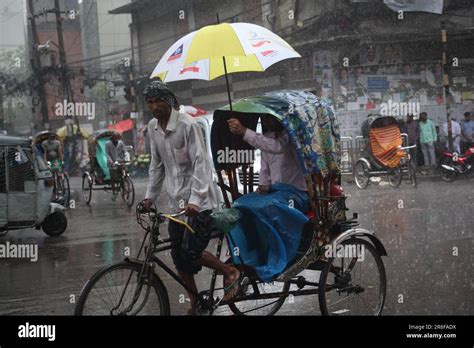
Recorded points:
(467, 132)
(452, 129)
(412, 129)
(428, 137)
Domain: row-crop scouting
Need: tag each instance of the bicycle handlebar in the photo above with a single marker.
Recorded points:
(158, 218)
(407, 147)
(153, 214)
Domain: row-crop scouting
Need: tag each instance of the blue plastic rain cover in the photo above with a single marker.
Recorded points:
(268, 234)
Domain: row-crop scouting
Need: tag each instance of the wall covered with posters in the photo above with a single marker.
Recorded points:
(390, 78)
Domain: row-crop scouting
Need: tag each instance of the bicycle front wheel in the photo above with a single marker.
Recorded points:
(127, 191)
(119, 290)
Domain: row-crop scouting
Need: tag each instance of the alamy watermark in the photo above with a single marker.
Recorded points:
(19, 251)
(235, 156)
(392, 108)
(28, 330)
(345, 251)
(66, 108)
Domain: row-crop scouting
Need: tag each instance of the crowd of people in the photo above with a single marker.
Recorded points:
(431, 139)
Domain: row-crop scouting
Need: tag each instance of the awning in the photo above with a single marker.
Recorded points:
(122, 126)
(130, 7)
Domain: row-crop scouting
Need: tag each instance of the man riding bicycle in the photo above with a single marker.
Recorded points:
(115, 151)
(179, 163)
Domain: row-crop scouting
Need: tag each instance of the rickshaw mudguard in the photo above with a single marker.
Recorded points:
(361, 232)
(366, 161)
(54, 207)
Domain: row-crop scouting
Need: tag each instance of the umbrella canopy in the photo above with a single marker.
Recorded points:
(216, 50)
(62, 132)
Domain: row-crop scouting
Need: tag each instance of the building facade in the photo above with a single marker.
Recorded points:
(363, 56)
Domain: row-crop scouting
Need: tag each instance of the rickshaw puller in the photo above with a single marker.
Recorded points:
(52, 149)
(180, 163)
(115, 151)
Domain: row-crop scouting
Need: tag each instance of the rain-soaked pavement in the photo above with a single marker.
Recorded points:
(427, 231)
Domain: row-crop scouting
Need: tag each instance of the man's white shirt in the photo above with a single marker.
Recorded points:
(179, 163)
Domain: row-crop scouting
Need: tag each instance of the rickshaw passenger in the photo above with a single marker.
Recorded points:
(115, 151)
(279, 162)
(269, 234)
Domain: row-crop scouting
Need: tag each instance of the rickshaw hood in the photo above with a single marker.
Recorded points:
(310, 122)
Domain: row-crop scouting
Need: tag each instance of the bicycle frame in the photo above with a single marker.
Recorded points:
(174, 242)
(153, 259)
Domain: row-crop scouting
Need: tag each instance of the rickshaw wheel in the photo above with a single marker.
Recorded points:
(127, 190)
(87, 188)
(361, 174)
(262, 307)
(112, 289)
(345, 291)
(394, 176)
(55, 224)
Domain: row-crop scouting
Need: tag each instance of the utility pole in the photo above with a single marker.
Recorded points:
(133, 94)
(447, 95)
(67, 90)
(2, 116)
(37, 65)
(68, 94)
(133, 108)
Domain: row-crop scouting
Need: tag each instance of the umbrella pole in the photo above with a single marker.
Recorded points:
(227, 82)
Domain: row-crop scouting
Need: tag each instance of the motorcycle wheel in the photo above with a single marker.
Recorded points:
(446, 174)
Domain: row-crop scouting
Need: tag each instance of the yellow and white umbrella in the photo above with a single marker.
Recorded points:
(217, 50)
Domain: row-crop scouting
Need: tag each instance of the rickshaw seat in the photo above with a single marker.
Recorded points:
(222, 138)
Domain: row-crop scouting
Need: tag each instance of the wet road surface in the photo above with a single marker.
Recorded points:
(427, 232)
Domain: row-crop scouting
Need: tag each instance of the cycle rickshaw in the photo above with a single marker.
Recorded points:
(383, 153)
(61, 188)
(98, 179)
(133, 287)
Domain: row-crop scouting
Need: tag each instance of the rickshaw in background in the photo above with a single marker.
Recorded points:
(383, 153)
(61, 189)
(26, 189)
(99, 175)
(343, 285)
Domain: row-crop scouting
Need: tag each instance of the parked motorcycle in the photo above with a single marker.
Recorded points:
(453, 164)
